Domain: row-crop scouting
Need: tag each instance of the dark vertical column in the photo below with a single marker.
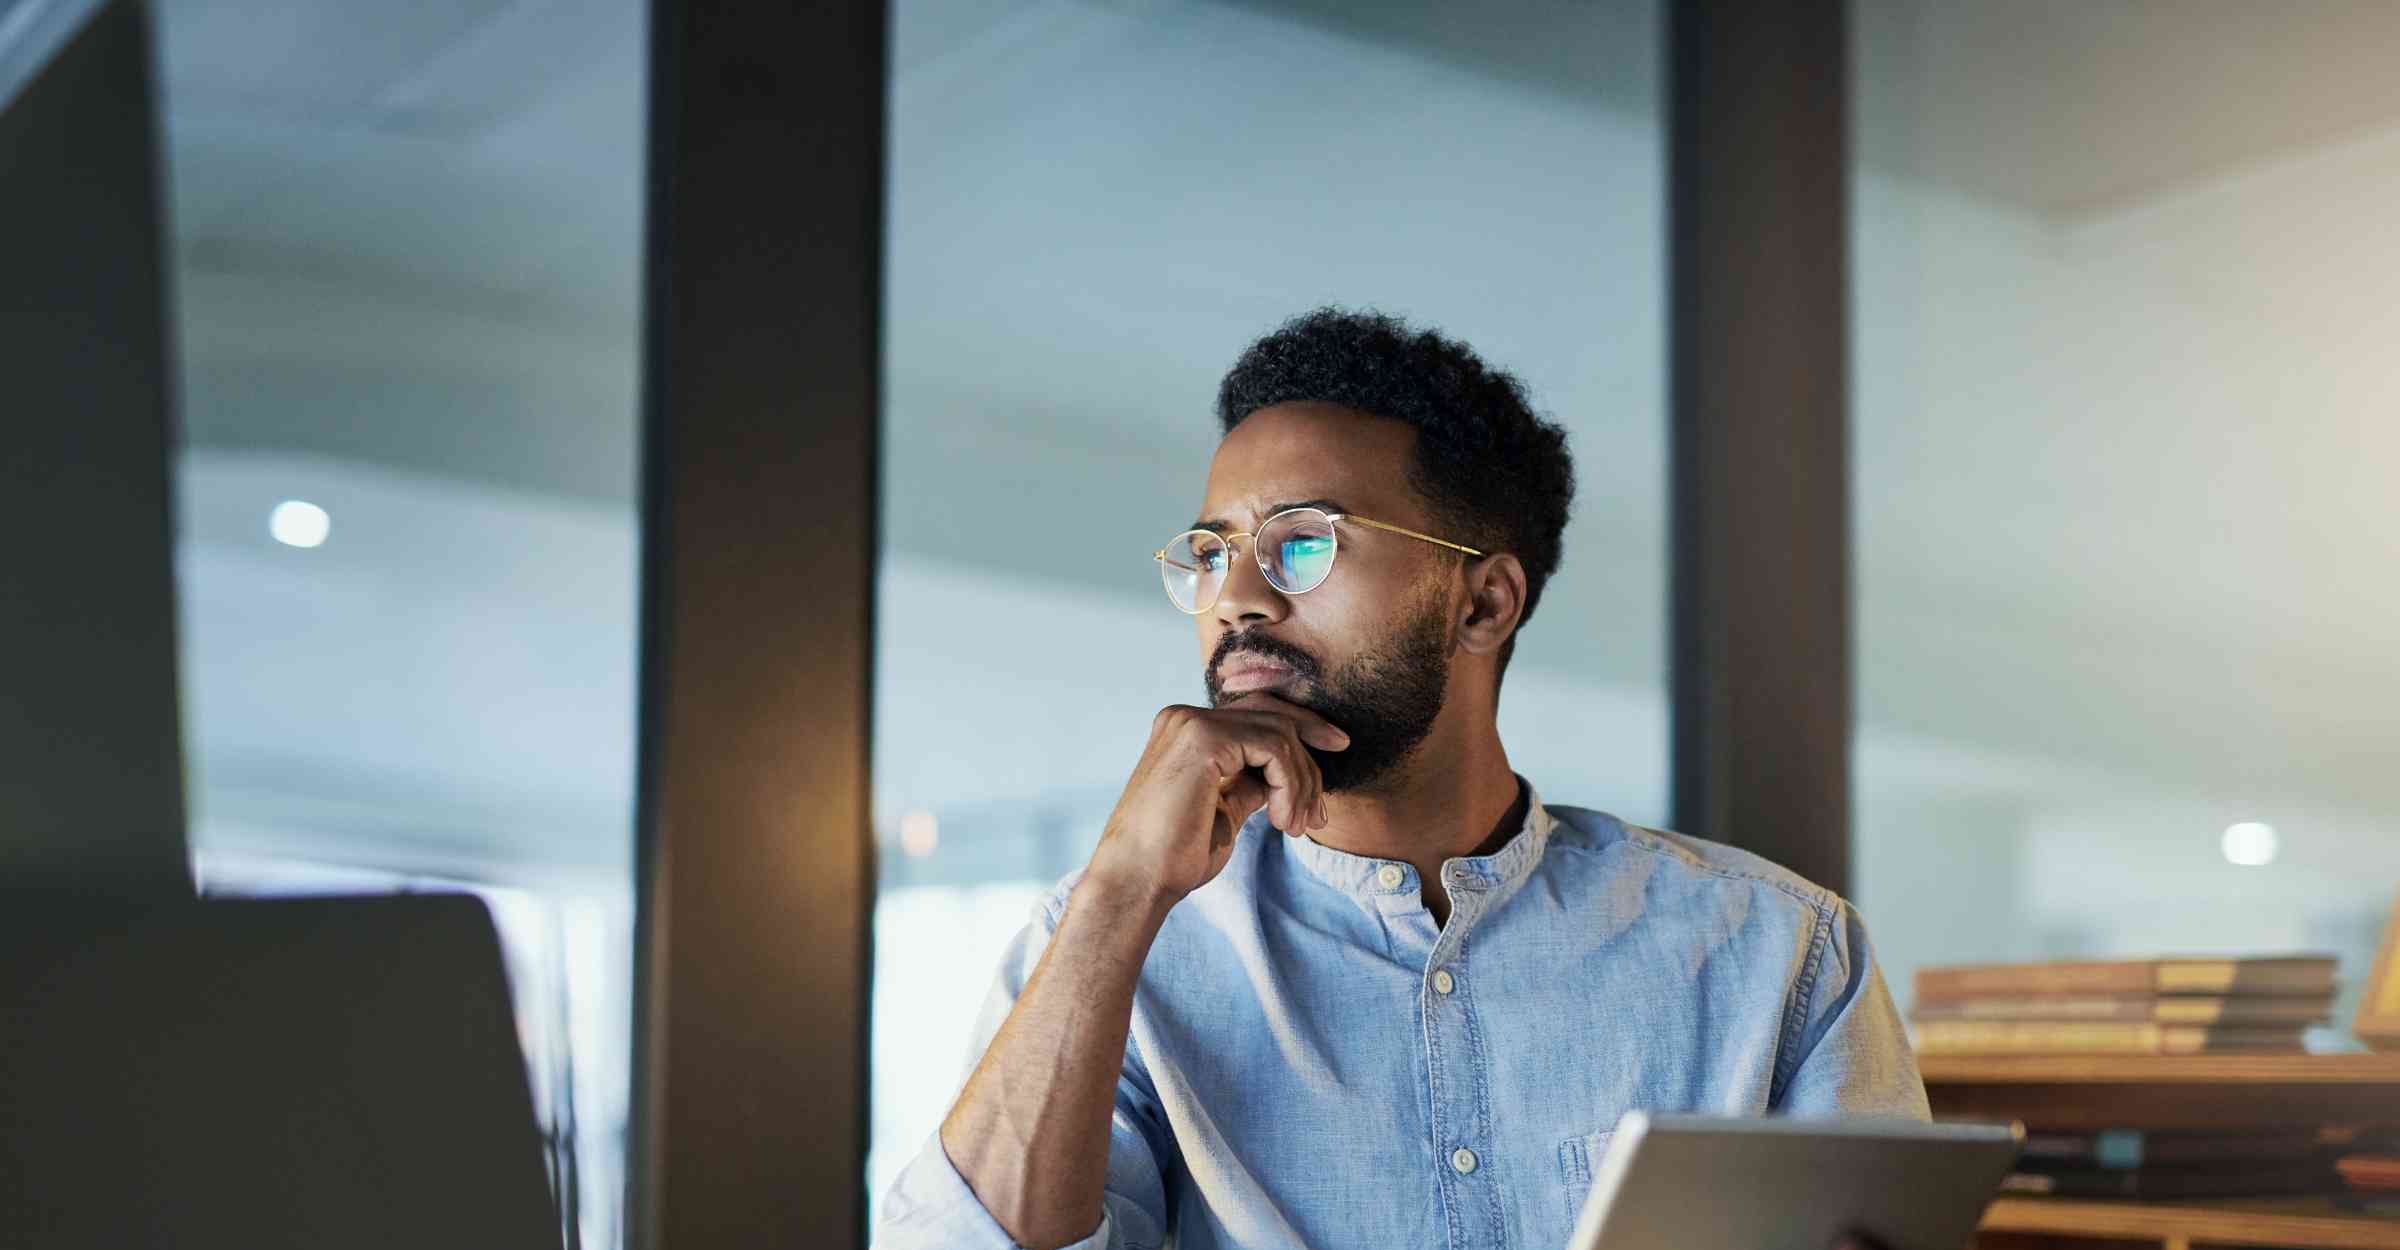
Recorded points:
(1758, 178)
(91, 756)
(756, 874)
(759, 548)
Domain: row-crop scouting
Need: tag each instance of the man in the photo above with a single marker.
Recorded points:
(1335, 976)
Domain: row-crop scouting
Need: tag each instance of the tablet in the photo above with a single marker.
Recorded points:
(1700, 1183)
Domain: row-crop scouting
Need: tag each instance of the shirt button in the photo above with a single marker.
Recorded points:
(1463, 1160)
(1443, 982)
(1390, 875)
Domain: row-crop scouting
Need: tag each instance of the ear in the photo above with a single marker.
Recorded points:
(1495, 603)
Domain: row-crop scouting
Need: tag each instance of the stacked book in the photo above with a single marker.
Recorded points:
(2145, 1008)
(2126, 1007)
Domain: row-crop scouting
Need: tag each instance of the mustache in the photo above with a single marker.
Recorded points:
(1301, 663)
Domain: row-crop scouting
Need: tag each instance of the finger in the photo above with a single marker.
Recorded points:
(1291, 776)
(1241, 795)
(1269, 746)
(1263, 711)
(1309, 802)
(1244, 781)
(1314, 730)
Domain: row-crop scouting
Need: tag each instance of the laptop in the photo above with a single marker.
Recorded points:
(264, 1073)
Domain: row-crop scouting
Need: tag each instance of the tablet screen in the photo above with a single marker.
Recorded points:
(1701, 1183)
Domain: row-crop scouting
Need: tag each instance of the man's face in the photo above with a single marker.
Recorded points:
(1368, 649)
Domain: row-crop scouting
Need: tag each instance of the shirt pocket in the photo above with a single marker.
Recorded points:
(1575, 1158)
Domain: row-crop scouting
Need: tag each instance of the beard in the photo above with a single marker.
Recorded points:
(1386, 698)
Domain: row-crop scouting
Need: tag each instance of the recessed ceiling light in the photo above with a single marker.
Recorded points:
(2251, 844)
(299, 523)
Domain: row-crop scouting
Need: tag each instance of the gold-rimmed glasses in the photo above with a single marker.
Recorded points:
(1294, 549)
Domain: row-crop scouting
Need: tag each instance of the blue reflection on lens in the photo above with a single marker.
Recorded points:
(1305, 559)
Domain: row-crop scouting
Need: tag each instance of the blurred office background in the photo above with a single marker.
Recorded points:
(2122, 433)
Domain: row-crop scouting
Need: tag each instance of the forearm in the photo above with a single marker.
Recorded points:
(1030, 1132)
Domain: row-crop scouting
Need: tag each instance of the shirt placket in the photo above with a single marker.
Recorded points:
(1459, 1074)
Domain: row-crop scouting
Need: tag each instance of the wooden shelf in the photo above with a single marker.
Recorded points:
(2172, 1091)
(2165, 1091)
(2299, 1223)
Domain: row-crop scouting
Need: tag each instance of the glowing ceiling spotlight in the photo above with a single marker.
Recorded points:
(2251, 844)
(299, 523)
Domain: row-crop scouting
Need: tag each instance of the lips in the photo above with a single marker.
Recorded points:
(1246, 673)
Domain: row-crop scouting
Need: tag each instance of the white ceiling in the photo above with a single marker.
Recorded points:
(478, 160)
(409, 233)
(2072, 108)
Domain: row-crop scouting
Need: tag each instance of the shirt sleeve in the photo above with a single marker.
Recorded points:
(931, 1207)
(1852, 1057)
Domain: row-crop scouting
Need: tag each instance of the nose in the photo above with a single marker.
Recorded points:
(1248, 598)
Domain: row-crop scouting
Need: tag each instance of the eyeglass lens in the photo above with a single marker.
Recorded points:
(1295, 550)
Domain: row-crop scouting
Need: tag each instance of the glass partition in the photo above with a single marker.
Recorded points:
(406, 248)
(2124, 402)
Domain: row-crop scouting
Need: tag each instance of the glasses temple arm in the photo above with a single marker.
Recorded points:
(1438, 542)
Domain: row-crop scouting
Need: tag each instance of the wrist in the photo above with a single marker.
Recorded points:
(1123, 889)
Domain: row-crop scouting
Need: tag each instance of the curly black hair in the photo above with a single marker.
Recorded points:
(1490, 469)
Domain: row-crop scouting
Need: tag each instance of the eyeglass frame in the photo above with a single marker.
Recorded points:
(1333, 519)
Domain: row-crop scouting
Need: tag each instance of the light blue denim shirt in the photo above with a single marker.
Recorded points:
(1314, 1064)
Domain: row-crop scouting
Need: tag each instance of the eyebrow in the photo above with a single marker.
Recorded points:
(1223, 527)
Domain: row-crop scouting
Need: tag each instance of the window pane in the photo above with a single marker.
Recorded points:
(1093, 210)
(2125, 437)
(406, 242)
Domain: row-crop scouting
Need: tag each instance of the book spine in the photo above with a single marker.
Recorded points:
(2036, 1008)
(2231, 1012)
(2100, 1037)
(2089, 979)
(1968, 1036)
(2241, 978)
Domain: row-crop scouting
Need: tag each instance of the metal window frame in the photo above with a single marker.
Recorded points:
(755, 872)
(91, 740)
(1758, 292)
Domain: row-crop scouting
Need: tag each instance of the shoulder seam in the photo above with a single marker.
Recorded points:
(1817, 897)
(1795, 1015)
